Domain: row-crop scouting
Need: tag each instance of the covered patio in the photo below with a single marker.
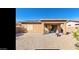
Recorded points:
(54, 24)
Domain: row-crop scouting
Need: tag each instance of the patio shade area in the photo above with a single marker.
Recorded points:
(56, 24)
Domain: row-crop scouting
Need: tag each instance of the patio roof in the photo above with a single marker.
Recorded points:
(53, 19)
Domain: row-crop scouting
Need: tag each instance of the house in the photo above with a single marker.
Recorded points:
(45, 25)
(20, 28)
(72, 24)
(18, 24)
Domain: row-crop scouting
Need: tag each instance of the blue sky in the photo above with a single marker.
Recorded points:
(23, 14)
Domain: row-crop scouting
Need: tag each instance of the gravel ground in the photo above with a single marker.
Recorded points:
(32, 41)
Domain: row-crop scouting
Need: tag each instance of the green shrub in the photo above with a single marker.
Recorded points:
(76, 34)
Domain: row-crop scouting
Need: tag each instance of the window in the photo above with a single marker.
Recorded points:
(29, 27)
(76, 24)
(69, 25)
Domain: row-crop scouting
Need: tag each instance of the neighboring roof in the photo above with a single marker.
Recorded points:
(18, 23)
(74, 21)
(32, 22)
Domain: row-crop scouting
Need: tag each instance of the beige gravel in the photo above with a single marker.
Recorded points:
(31, 41)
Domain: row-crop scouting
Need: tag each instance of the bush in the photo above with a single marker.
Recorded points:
(76, 36)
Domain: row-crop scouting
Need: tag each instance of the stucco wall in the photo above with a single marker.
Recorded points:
(71, 26)
(36, 28)
(70, 29)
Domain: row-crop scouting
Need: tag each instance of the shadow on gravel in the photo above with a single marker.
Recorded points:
(19, 34)
(47, 49)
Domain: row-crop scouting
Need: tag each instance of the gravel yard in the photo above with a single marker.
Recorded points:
(32, 41)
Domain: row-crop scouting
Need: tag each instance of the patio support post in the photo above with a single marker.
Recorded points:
(64, 30)
(59, 28)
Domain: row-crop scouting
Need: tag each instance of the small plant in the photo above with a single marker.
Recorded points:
(77, 44)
